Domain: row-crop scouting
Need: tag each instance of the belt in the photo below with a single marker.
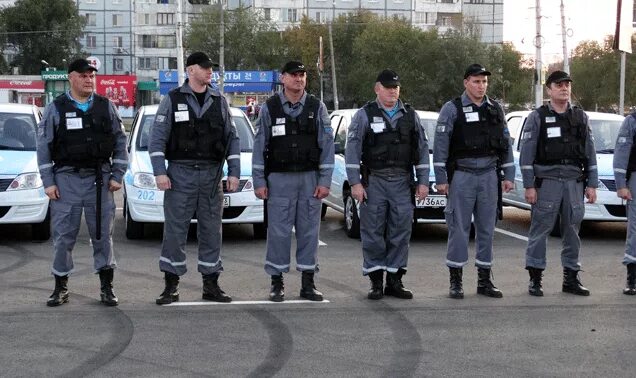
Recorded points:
(476, 171)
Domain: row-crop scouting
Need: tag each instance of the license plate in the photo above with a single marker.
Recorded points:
(226, 201)
(431, 201)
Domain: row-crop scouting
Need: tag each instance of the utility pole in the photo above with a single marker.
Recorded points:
(221, 48)
(333, 60)
(538, 88)
(180, 64)
(566, 60)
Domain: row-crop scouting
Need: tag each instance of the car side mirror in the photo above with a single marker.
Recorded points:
(339, 148)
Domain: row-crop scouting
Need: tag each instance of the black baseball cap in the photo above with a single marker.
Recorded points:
(293, 66)
(81, 65)
(557, 77)
(476, 70)
(199, 58)
(388, 78)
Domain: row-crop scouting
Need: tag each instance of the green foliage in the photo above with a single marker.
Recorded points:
(42, 30)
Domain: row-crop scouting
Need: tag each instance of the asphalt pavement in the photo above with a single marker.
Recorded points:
(345, 336)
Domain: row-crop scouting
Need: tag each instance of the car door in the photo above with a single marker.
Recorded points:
(515, 127)
(339, 126)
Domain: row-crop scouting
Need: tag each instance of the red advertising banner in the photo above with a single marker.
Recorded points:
(120, 89)
(32, 85)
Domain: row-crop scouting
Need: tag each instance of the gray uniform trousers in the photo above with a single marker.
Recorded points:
(76, 194)
(291, 203)
(630, 243)
(471, 193)
(386, 221)
(191, 192)
(563, 197)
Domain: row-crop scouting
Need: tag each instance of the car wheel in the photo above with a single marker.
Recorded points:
(42, 231)
(556, 229)
(351, 217)
(323, 212)
(134, 230)
(260, 230)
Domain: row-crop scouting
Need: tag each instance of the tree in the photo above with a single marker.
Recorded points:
(595, 71)
(42, 30)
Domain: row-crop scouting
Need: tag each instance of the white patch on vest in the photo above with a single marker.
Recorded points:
(278, 130)
(472, 117)
(377, 127)
(378, 119)
(71, 115)
(550, 119)
(182, 106)
(280, 121)
(161, 118)
(467, 109)
(554, 132)
(73, 124)
(622, 140)
(182, 116)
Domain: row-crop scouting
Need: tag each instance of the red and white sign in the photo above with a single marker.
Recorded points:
(23, 85)
(120, 89)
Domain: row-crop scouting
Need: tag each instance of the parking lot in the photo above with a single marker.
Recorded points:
(348, 335)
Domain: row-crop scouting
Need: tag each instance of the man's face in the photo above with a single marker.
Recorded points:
(560, 91)
(82, 83)
(387, 96)
(476, 87)
(294, 82)
(200, 75)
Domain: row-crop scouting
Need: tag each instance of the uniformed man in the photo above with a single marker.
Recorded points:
(385, 142)
(82, 157)
(292, 165)
(624, 174)
(472, 148)
(558, 164)
(193, 131)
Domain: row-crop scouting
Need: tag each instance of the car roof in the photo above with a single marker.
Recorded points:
(152, 109)
(17, 108)
(420, 113)
(591, 115)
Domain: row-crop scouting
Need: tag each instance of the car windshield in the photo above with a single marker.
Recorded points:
(605, 133)
(243, 128)
(17, 132)
(429, 125)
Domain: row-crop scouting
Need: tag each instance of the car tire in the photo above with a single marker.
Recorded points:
(260, 230)
(42, 231)
(134, 230)
(323, 212)
(351, 218)
(556, 229)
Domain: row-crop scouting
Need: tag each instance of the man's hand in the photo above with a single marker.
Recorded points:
(421, 192)
(507, 186)
(261, 193)
(52, 192)
(232, 184)
(113, 185)
(321, 192)
(358, 193)
(442, 189)
(624, 194)
(163, 182)
(590, 194)
(531, 196)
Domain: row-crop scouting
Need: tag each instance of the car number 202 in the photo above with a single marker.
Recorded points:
(146, 195)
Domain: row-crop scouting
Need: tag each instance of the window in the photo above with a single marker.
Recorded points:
(116, 1)
(91, 41)
(147, 63)
(448, 1)
(91, 19)
(165, 18)
(158, 41)
(117, 19)
(118, 64)
(430, 18)
(267, 13)
(291, 15)
(475, 1)
(443, 21)
(321, 17)
(118, 41)
(172, 63)
(143, 18)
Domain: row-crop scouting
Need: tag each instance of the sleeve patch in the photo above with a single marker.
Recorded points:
(441, 129)
(161, 118)
(622, 140)
(526, 135)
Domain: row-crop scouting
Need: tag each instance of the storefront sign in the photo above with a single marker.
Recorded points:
(22, 85)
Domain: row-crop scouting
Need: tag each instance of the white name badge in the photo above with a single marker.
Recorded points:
(280, 121)
(550, 119)
(181, 116)
(73, 124)
(378, 119)
(377, 127)
(554, 132)
(472, 117)
(278, 130)
(467, 109)
(182, 106)
(71, 115)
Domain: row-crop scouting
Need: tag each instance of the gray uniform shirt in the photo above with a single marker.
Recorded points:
(160, 133)
(49, 125)
(263, 135)
(529, 141)
(358, 130)
(623, 149)
(441, 151)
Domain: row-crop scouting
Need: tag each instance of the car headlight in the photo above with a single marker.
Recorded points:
(602, 186)
(144, 180)
(26, 181)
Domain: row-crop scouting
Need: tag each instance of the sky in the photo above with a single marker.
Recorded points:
(585, 19)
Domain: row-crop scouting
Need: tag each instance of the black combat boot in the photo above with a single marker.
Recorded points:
(377, 283)
(485, 285)
(277, 291)
(456, 290)
(107, 294)
(571, 283)
(212, 291)
(60, 293)
(630, 289)
(171, 292)
(308, 290)
(535, 287)
(394, 286)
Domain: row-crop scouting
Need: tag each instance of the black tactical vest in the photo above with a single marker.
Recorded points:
(83, 139)
(392, 147)
(196, 138)
(562, 139)
(485, 136)
(293, 145)
(631, 164)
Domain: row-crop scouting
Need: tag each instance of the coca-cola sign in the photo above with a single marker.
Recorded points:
(120, 89)
(34, 85)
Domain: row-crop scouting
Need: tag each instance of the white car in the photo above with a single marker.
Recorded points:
(605, 128)
(143, 202)
(22, 198)
(430, 210)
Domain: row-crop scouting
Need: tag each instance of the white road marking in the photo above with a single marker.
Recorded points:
(295, 301)
(511, 234)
